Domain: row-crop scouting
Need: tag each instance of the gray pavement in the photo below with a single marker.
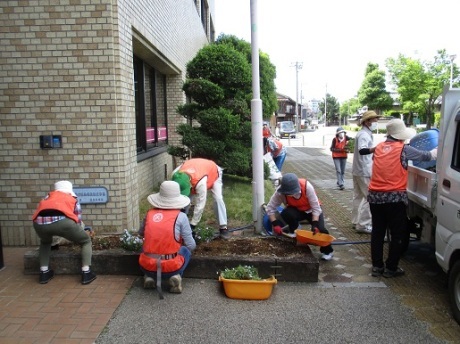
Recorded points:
(347, 305)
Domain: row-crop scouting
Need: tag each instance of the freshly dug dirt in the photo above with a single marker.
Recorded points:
(245, 246)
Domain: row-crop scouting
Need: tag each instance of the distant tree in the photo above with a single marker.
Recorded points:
(219, 84)
(332, 108)
(373, 90)
(420, 84)
(350, 107)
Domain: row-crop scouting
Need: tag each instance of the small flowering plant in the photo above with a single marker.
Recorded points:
(131, 242)
(204, 234)
(241, 272)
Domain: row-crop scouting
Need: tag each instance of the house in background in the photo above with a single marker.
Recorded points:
(286, 108)
(89, 92)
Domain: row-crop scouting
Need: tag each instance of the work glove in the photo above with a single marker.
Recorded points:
(277, 227)
(315, 227)
(434, 154)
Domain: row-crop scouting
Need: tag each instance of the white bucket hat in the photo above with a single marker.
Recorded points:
(398, 130)
(169, 197)
(64, 186)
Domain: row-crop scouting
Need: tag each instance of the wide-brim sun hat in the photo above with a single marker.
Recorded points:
(64, 186)
(169, 197)
(340, 130)
(369, 115)
(289, 184)
(183, 180)
(398, 130)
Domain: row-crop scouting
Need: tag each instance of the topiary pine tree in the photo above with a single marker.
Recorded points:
(219, 82)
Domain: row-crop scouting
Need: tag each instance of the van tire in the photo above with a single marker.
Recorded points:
(454, 290)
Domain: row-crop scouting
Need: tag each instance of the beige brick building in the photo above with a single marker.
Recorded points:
(103, 77)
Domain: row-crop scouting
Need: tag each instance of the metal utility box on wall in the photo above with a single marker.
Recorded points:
(50, 141)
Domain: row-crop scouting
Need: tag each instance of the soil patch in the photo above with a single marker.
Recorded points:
(244, 246)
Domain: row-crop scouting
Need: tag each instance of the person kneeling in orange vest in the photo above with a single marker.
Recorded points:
(168, 241)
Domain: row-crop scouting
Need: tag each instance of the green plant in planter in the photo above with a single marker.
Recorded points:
(204, 234)
(131, 242)
(241, 272)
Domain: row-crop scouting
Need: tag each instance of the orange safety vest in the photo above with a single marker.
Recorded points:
(159, 239)
(277, 151)
(388, 174)
(340, 145)
(302, 203)
(59, 201)
(266, 132)
(197, 169)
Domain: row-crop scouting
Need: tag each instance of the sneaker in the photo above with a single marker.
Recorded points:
(224, 233)
(377, 272)
(46, 276)
(366, 230)
(327, 256)
(341, 187)
(393, 273)
(87, 277)
(175, 282)
(149, 283)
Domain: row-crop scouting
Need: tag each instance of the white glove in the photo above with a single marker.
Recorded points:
(434, 154)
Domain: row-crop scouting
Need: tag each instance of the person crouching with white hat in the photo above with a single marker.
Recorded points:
(168, 240)
(59, 214)
(387, 195)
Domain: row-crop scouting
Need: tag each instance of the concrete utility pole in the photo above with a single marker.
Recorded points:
(298, 66)
(452, 58)
(258, 187)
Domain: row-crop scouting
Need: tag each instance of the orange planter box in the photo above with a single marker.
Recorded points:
(248, 289)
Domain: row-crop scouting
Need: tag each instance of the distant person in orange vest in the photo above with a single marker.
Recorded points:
(302, 203)
(339, 155)
(276, 149)
(196, 176)
(266, 132)
(59, 214)
(168, 240)
(388, 197)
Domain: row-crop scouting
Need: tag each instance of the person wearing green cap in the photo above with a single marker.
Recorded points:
(195, 177)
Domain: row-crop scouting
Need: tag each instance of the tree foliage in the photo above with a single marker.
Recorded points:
(332, 108)
(420, 84)
(373, 90)
(219, 84)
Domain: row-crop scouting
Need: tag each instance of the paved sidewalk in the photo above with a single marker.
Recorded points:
(63, 311)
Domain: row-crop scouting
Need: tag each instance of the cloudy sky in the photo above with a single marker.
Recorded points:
(335, 39)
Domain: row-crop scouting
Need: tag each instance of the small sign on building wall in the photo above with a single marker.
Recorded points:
(92, 195)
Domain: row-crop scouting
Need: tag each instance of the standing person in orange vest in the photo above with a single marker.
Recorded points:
(196, 176)
(302, 203)
(59, 214)
(388, 197)
(266, 132)
(340, 154)
(277, 150)
(168, 241)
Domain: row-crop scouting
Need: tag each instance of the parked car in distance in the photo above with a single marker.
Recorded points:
(287, 129)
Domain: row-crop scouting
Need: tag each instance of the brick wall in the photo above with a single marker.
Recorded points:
(66, 69)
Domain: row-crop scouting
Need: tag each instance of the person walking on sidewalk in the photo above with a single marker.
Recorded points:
(276, 149)
(168, 240)
(339, 155)
(59, 214)
(196, 176)
(301, 203)
(362, 171)
(388, 197)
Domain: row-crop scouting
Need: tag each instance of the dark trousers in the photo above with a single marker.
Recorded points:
(394, 217)
(292, 216)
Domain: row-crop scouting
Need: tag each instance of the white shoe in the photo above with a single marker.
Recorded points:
(366, 230)
(149, 282)
(175, 282)
(327, 256)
